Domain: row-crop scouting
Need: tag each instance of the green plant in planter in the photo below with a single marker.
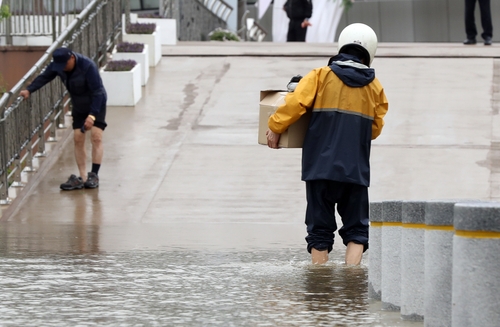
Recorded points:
(4, 12)
(120, 65)
(141, 28)
(220, 34)
(130, 47)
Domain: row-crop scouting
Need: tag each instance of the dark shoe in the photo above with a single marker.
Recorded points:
(73, 183)
(470, 41)
(487, 41)
(92, 181)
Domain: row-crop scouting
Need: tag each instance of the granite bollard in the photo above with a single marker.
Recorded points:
(412, 260)
(476, 265)
(391, 255)
(375, 254)
(438, 263)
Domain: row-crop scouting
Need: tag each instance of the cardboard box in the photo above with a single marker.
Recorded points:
(293, 137)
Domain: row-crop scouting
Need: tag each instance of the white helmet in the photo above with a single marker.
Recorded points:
(360, 36)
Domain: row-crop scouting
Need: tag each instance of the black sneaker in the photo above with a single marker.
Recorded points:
(92, 181)
(73, 183)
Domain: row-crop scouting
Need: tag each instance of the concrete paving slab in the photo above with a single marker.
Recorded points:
(295, 49)
(188, 152)
(190, 205)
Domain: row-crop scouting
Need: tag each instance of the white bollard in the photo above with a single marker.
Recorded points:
(476, 265)
(375, 254)
(391, 255)
(412, 260)
(438, 263)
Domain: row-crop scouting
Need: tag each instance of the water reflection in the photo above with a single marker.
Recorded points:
(339, 293)
(87, 218)
(179, 287)
(55, 235)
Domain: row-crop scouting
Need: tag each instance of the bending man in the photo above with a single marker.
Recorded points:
(81, 77)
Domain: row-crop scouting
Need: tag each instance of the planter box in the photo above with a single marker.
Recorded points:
(152, 40)
(168, 29)
(123, 88)
(133, 19)
(140, 57)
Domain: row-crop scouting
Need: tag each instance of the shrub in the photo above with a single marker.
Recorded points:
(130, 47)
(223, 35)
(120, 65)
(141, 28)
(4, 12)
(347, 4)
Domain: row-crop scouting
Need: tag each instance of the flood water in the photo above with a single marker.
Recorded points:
(180, 287)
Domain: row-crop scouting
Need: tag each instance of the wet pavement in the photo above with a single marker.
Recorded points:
(195, 224)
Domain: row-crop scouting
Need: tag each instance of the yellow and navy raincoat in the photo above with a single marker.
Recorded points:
(348, 105)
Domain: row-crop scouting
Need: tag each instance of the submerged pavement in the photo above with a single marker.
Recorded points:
(185, 184)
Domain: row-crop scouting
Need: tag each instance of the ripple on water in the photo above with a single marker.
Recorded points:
(184, 288)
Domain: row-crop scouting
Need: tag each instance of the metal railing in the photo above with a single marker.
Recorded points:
(167, 8)
(39, 18)
(220, 8)
(251, 30)
(26, 125)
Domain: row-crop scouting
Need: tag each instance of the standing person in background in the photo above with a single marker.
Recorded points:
(88, 96)
(470, 24)
(299, 12)
(348, 105)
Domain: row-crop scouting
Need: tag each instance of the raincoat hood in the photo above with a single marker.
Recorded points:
(350, 70)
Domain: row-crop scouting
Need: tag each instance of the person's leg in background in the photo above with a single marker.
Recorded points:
(77, 182)
(290, 36)
(80, 152)
(79, 142)
(301, 33)
(96, 138)
(97, 154)
(485, 8)
(295, 31)
(470, 24)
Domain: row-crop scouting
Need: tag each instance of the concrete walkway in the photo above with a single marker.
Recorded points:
(183, 169)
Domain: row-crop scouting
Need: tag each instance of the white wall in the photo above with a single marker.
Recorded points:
(232, 21)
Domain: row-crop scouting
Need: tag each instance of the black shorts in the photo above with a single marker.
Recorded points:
(79, 118)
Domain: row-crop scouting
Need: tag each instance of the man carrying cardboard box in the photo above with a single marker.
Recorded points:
(348, 105)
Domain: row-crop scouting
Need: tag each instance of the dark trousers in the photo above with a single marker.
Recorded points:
(295, 31)
(352, 205)
(470, 25)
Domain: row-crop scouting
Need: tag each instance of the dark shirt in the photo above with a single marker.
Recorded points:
(84, 84)
(298, 9)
